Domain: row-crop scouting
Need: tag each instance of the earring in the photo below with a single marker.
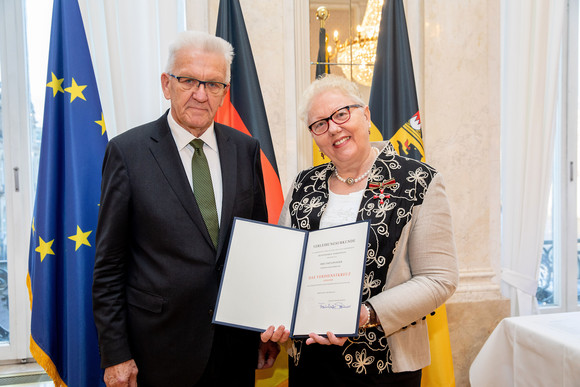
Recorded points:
(322, 155)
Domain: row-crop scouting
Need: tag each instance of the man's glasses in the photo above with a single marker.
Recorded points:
(340, 116)
(188, 83)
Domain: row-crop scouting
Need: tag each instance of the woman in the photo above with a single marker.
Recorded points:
(411, 265)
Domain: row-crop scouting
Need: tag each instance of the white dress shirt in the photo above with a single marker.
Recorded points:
(182, 139)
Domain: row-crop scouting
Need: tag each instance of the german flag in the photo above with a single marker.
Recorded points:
(243, 107)
(395, 116)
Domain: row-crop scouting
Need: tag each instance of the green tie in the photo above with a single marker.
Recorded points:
(203, 190)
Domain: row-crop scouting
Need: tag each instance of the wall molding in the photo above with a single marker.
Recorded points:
(477, 285)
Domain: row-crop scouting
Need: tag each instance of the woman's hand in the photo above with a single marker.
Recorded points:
(330, 340)
(277, 335)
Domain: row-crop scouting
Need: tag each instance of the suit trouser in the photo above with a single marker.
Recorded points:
(229, 363)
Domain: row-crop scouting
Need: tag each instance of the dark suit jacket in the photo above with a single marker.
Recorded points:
(157, 272)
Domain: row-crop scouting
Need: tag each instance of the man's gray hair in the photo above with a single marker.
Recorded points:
(204, 42)
(328, 82)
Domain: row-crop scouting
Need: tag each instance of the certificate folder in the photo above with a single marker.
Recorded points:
(308, 281)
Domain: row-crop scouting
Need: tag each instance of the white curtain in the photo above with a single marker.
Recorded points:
(129, 41)
(532, 35)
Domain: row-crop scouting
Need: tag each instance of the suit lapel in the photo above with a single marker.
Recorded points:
(166, 154)
(228, 157)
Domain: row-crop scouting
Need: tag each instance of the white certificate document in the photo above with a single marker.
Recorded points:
(306, 281)
(331, 283)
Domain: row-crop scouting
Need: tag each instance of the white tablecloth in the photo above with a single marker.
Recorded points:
(539, 350)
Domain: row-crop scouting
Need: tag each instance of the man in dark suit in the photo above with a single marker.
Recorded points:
(159, 259)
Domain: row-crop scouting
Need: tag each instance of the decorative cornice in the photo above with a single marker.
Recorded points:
(477, 285)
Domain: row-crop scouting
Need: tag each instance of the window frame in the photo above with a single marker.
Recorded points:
(565, 204)
(570, 166)
(19, 196)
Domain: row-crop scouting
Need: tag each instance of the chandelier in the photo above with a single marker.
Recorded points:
(356, 56)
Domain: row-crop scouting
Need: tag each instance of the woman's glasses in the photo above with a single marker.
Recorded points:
(340, 116)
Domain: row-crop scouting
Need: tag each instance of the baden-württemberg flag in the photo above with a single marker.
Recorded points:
(395, 116)
(63, 336)
(393, 101)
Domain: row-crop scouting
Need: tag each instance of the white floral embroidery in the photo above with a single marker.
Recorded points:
(418, 176)
(386, 364)
(403, 215)
(319, 175)
(370, 282)
(362, 360)
(382, 209)
(372, 258)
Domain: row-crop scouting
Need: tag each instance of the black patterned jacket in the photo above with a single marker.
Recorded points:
(411, 265)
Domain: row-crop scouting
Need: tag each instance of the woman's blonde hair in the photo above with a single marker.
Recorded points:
(325, 83)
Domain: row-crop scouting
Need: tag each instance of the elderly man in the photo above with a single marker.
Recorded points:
(170, 191)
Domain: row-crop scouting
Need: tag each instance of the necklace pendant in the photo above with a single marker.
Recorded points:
(352, 180)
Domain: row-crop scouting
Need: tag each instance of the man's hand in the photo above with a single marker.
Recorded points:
(124, 374)
(267, 354)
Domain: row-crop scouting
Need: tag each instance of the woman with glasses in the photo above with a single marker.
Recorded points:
(411, 266)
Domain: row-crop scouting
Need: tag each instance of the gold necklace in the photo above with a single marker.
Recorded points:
(352, 180)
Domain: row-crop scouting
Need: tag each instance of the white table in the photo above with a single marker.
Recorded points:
(538, 350)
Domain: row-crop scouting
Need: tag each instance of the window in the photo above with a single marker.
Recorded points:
(23, 62)
(351, 29)
(559, 280)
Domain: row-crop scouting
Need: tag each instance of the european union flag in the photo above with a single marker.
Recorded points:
(62, 243)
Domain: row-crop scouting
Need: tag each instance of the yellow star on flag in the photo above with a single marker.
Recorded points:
(81, 238)
(76, 91)
(102, 124)
(44, 248)
(33, 228)
(56, 85)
